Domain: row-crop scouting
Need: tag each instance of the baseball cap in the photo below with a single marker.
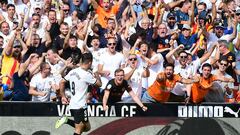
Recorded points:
(238, 11)
(219, 23)
(16, 43)
(202, 15)
(186, 26)
(37, 5)
(171, 15)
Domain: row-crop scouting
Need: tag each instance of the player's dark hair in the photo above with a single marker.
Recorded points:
(169, 65)
(86, 58)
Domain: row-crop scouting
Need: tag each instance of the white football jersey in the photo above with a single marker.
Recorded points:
(79, 80)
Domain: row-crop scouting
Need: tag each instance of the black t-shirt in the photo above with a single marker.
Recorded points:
(230, 57)
(20, 86)
(54, 31)
(58, 43)
(38, 50)
(148, 32)
(116, 92)
(74, 53)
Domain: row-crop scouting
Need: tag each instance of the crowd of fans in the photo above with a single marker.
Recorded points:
(169, 50)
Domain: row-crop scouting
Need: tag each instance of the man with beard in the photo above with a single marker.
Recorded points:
(35, 46)
(185, 70)
(54, 24)
(205, 83)
(171, 23)
(219, 31)
(38, 26)
(59, 40)
(20, 80)
(12, 55)
(161, 38)
(115, 89)
(160, 90)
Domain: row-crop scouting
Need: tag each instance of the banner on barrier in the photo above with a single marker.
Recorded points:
(122, 110)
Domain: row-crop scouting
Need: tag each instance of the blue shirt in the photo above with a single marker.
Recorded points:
(187, 41)
(181, 16)
(83, 6)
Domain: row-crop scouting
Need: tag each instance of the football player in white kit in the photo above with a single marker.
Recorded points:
(79, 78)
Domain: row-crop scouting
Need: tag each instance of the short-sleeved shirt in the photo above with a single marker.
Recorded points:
(116, 92)
(201, 88)
(32, 49)
(71, 52)
(79, 80)
(160, 90)
(42, 85)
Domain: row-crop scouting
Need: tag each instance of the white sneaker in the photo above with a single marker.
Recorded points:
(61, 121)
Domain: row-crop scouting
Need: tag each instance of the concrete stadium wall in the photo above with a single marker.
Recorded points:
(100, 125)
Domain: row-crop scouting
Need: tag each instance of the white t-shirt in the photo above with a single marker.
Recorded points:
(55, 70)
(135, 83)
(96, 57)
(10, 23)
(79, 80)
(141, 64)
(186, 73)
(155, 69)
(110, 63)
(40, 31)
(6, 38)
(68, 20)
(42, 85)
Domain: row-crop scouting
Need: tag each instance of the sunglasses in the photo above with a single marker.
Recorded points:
(17, 47)
(185, 29)
(112, 44)
(133, 59)
(67, 10)
(219, 28)
(171, 18)
(237, 14)
(183, 57)
(224, 64)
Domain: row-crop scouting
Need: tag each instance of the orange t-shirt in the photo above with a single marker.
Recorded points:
(201, 88)
(160, 91)
(104, 15)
